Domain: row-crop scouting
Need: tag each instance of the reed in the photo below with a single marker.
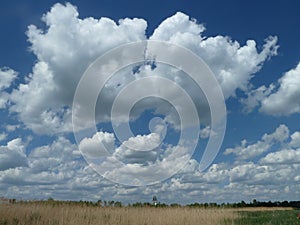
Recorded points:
(63, 214)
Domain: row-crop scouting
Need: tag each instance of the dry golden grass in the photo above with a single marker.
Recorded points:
(43, 214)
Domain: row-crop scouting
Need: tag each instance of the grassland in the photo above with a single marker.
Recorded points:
(268, 217)
(64, 214)
(42, 214)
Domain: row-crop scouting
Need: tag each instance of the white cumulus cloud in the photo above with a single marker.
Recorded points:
(295, 142)
(280, 98)
(101, 144)
(3, 136)
(66, 47)
(64, 50)
(233, 64)
(12, 155)
(285, 156)
(247, 151)
(68, 44)
(7, 76)
(286, 99)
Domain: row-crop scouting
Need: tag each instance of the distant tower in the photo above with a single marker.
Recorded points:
(154, 200)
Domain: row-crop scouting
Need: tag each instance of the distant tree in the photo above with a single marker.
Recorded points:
(137, 204)
(254, 202)
(162, 205)
(111, 203)
(175, 205)
(243, 204)
(12, 200)
(213, 205)
(285, 203)
(146, 204)
(118, 204)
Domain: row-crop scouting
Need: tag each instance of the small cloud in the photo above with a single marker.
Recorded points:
(7, 76)
(11, 128)
(3, 136)
(205, 132)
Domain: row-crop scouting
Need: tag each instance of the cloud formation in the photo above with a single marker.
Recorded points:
(246, 151)
(58, 170)
(7, 76)
(234, 65)
(12, 155)
(286, 99)
(64, 50)
(69, 44)
(280, 98)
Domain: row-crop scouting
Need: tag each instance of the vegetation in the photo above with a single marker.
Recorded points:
(53, 212)
(254, 203)
(68, 214)
(105, 203)
(274, 217)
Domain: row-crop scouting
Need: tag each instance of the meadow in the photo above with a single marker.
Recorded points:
(266, 217)
(64, 214)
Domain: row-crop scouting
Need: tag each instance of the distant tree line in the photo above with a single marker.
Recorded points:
(105, 203)
(254, 203)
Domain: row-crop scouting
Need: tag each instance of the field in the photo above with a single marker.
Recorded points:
(272, 217)
(47, 214)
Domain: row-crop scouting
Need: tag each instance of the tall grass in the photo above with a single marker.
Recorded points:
(46, 214)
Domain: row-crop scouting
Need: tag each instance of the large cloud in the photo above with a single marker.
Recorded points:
(286, 99)
(233, 64)
(64, 51)
(279, 99)
(70, 44)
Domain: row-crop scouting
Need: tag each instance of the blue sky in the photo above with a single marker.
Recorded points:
(251, 47)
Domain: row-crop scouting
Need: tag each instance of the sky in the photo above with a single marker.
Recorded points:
(209, 90)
